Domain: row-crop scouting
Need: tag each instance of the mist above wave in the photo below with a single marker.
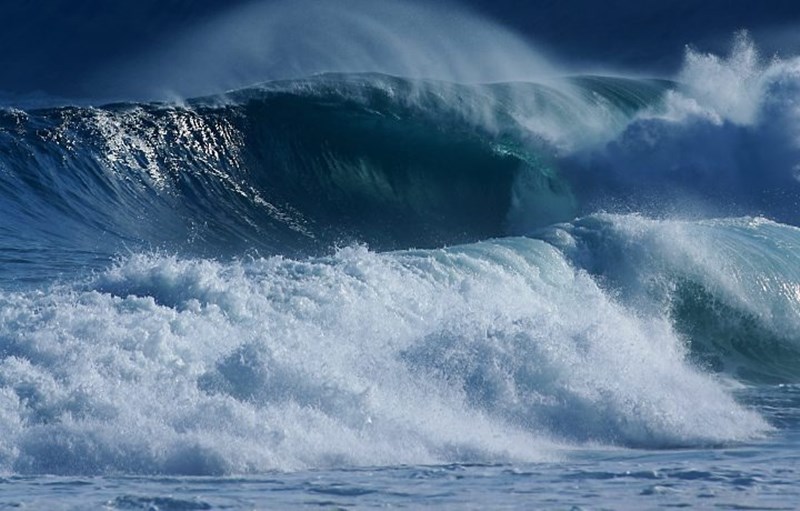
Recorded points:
(270, 40)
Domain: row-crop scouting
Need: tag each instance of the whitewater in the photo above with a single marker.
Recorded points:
(405, 284)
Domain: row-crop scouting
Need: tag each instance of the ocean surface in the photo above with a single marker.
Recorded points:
(384, 288)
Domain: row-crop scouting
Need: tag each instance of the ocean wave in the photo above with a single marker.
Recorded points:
(363, 269)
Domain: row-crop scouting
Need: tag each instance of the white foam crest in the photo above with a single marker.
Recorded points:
(677, 107)
(497, 351)
(742, 89)
(733, 86)
(737, 88)
(724, 143)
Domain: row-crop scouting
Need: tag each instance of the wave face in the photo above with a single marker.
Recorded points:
(364, 269)
(296, 167)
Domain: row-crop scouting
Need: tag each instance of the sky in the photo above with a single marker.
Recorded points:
(60, 47)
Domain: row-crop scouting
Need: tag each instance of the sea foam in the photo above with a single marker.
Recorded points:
(496, 351)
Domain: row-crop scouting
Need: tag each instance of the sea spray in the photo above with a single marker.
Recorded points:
(258, 42)
(723, 142)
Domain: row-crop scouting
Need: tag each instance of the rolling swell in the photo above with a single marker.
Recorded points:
(274, 171)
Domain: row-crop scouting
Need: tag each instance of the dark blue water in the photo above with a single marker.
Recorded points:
(360, 289)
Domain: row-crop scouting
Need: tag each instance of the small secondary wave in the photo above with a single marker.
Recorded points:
(731, 287)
